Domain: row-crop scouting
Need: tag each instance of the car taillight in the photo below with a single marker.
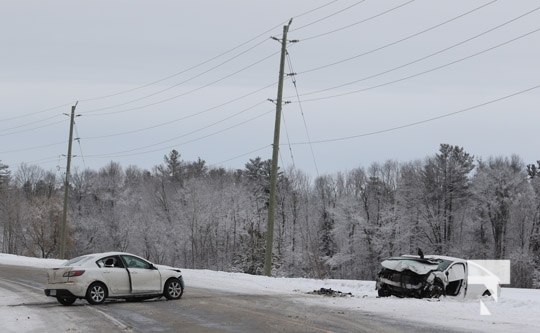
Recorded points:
(73, 273)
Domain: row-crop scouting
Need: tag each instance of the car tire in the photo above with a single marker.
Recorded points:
(486, 293)
(66, 300)
(436, 291)
(96, 293)
(384, 292)
(173, 289)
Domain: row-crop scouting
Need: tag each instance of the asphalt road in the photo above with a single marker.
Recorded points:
(199, 310)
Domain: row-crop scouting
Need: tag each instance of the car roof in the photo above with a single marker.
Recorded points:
(422, 265)
(431, 256)
(106, 254)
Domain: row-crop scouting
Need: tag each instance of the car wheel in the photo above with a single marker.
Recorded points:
(384, 292)
(486, 293)
(66, 300)
(173, 289)
(96, 293)
(437, 290)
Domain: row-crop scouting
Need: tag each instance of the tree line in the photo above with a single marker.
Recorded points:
(339, 225)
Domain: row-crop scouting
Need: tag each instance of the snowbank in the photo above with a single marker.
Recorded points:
(515, 311)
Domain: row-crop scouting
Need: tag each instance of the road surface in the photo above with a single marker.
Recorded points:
(199, 310)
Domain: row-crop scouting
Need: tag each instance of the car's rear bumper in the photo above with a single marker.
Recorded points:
(68, 289)
(59, 293)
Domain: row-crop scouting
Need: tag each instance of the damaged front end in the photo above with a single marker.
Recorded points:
(419, 278)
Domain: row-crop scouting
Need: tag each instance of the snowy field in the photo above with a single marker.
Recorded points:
(517, 310)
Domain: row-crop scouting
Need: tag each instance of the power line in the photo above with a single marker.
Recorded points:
(206, 61)
(32, 148)
(311, 11)
(178, 84)
(33, 128)
(182, 118)
(421, 121)
(27, 124)
(245, 154)
(123, 153)
(190, 91)
(403, 39)
(360, 22)
(328, 16)
(37, 112)
(171, 75)
(302, 113)
(78, 139)
(420, 73)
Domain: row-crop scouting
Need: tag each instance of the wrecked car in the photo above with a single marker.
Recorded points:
(422, 277)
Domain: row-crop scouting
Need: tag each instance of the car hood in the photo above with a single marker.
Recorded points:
(419, 267)
(168, 268)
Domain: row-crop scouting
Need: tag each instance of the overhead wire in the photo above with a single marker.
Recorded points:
(78, 139)
(27, 124)
(177, 84)
(422, 121)
(284, 119)
(206, 61)
(289, 61)
(392, 82)
(32, 148)
(402, 39)
(122, 153)
(239, 156)
(154, 82)
(328, 16)
(359, 22)
(37, 112)
(424, 72)
(171, 75)
(187, 92)
(184, 117)
(33, 128)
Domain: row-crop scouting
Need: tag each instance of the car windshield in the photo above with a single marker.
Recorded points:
(443, 265)
(77, 261)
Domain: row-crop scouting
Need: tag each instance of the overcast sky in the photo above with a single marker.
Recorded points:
(375, 81)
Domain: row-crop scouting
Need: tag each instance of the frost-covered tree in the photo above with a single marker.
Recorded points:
(196, 169)
(173, 168)
(534, 176)
(445, 194)
(44, 226)
(500, 187)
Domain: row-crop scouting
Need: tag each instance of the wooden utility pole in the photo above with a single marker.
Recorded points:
(66, 185)
(273, 176)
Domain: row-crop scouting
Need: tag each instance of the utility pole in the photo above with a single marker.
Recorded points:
(273, 176)
(66, 185)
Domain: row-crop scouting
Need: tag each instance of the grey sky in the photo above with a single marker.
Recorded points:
(355, 81)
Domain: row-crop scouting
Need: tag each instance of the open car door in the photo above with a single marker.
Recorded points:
(144, 277)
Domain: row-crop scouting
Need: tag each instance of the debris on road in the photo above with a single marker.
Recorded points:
(330, 292)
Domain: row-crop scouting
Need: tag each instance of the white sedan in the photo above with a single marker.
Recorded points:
(96, 277)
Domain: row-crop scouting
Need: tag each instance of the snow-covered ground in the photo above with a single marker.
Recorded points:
(517, 310)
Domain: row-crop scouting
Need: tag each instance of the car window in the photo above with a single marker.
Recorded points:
(477, 271)
(456, 272)
(443, 264)
(134, 262)
(77, 261)
(112, 261)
